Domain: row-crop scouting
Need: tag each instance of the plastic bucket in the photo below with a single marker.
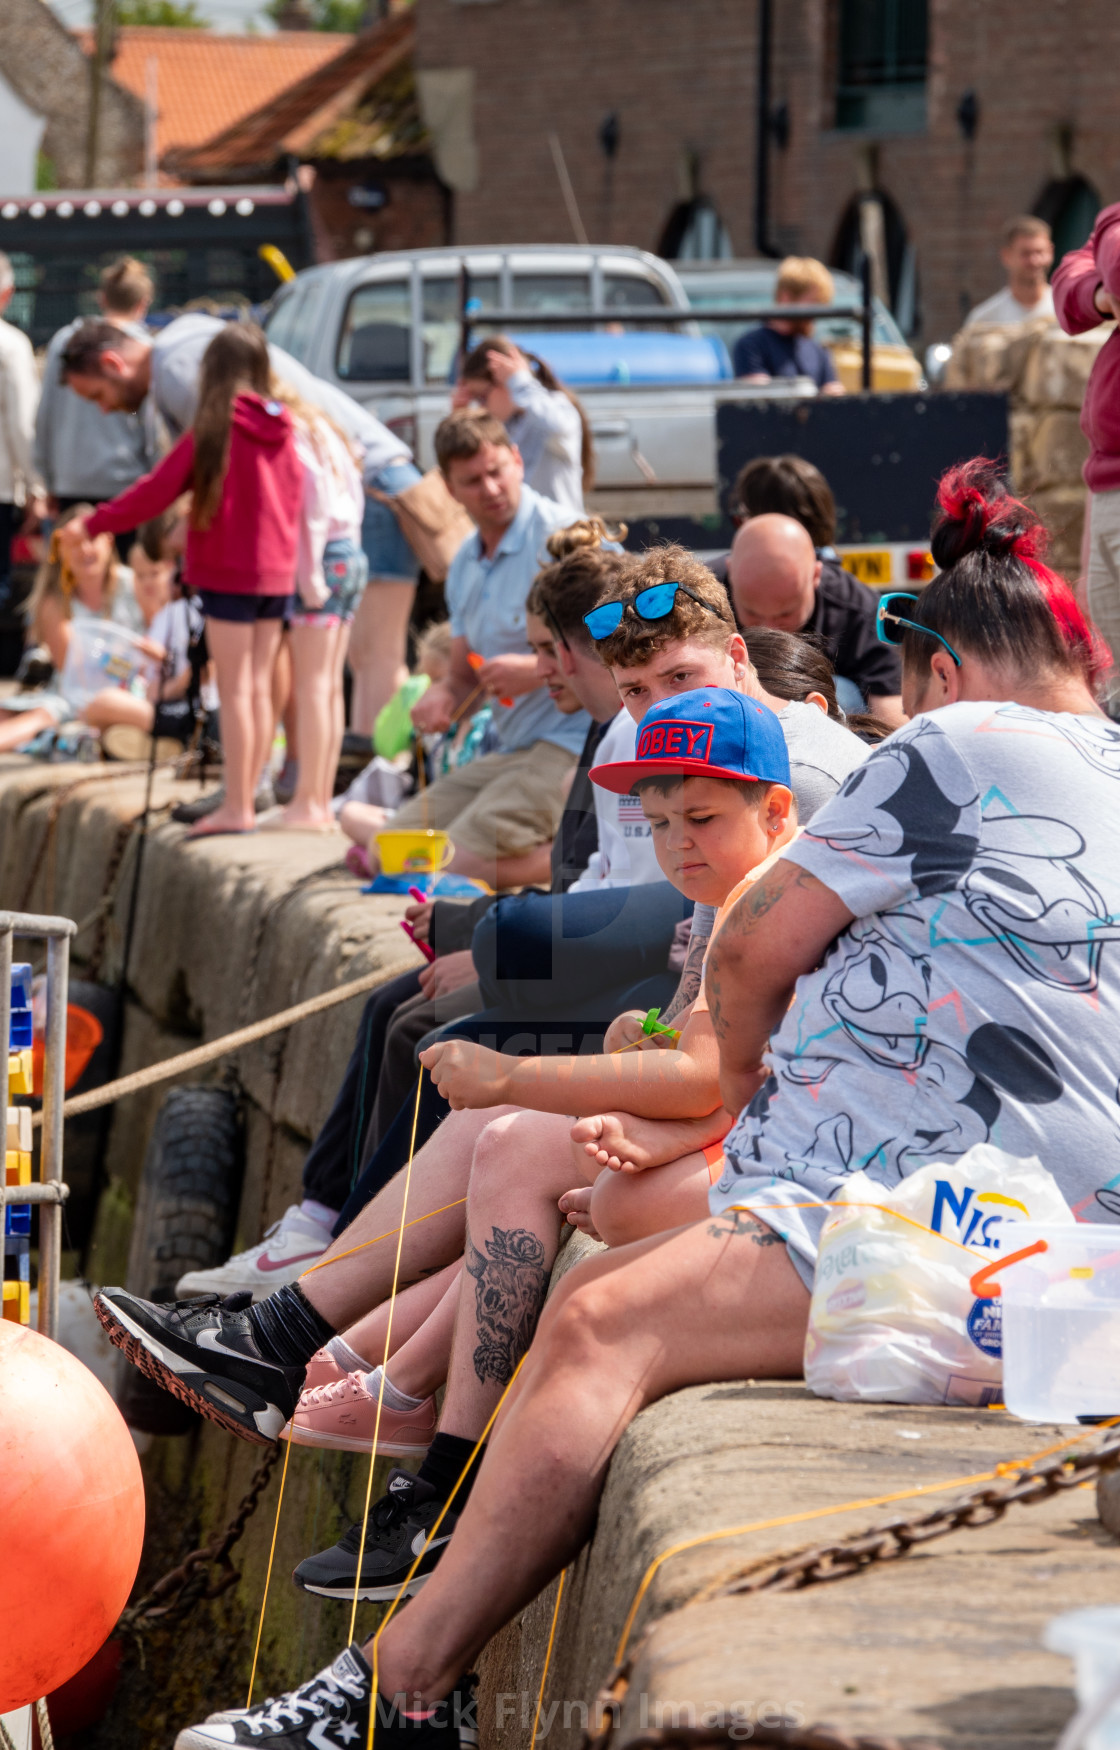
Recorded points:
(413, 853)
(84, 1034)
(1061, 1324)
(1091, 1638)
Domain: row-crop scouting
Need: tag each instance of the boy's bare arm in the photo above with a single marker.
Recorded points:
(683, 1083)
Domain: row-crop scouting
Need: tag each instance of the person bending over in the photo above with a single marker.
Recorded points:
(1008, 770)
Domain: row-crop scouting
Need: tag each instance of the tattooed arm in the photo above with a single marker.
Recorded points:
(779, 929)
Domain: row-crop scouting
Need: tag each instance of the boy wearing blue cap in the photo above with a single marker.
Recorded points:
(712, 772)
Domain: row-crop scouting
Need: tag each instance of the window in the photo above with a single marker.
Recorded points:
(625, 291)
(376, 341)
(554, 293)
(881, 65)
(441, 298)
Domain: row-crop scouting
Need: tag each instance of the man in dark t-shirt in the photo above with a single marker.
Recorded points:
(775, 579)
(784, 347)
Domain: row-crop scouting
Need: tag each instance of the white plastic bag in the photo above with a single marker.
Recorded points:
(893, 1319)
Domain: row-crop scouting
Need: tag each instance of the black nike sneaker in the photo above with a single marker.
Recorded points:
(331, 1712)
(205, 1353)
(398, 1531)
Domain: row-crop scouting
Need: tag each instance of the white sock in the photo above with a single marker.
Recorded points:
(318, 1212)
(348, 1359)
(394, 1399)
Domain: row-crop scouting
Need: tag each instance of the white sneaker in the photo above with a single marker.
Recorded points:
(289, 1246)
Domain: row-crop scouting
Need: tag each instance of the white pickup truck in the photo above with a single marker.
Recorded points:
(386, 329)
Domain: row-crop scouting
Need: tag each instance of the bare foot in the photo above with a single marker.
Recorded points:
(575, 1206)
(629, 1145)
(300, 817)
(358, 863)
(223, 820)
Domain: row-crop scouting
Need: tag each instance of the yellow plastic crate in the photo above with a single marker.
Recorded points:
(19, 1071)
(19, 1127)
(17, 1167)
(17, 1302)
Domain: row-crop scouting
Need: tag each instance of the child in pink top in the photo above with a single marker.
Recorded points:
(240, 462)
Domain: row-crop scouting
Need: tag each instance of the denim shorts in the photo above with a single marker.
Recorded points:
(390, 557)
(220, 604)
(344, 568)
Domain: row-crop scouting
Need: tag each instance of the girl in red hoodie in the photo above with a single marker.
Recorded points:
(240, 464)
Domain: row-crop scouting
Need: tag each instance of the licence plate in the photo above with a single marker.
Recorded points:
(871, 565)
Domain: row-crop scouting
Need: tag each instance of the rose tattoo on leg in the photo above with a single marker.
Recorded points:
(510, 1283)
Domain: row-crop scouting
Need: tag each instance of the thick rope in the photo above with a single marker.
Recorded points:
(43, 1720)
(229, 1042)
(385, 1358)
(268, 1572)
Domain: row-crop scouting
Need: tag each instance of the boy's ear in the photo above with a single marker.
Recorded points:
(777, 808)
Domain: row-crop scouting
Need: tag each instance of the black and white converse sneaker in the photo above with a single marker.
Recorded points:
(205, 1353)
(398, 1531)
(332, 1712)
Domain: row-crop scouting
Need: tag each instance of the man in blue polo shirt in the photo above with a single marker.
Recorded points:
(503, 809)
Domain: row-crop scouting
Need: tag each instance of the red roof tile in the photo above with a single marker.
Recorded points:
(290, 119)
(206, 81)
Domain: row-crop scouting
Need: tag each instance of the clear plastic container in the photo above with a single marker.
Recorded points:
(1061, 1324)
(1091, 1638)
(102, 654)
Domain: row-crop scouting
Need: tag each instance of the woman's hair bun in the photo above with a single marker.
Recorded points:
(976, 512)
(588, 531)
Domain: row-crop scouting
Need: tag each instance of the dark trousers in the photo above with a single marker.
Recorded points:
(11, 516)
(333, 1166)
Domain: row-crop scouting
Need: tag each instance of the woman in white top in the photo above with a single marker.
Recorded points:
(91, 586)
(544, 419)
(331, 574)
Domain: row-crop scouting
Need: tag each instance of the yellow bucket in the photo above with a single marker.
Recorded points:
(413, 853)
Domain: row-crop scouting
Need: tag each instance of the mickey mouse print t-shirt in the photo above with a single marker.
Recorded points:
(976, 996)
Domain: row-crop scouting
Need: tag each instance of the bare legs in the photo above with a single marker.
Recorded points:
(244, 654)
(353, 1277)
(378, 646)
(318, 655)
(714, 1301)
(114, 705)
(16, 727)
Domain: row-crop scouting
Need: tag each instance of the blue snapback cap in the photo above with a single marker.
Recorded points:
(712, 732)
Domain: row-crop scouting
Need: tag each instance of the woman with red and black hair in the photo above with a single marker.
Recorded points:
(996, 618)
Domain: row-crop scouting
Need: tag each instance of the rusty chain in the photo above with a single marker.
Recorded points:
(817, 1737)
(188, 1584)
(815, 1564)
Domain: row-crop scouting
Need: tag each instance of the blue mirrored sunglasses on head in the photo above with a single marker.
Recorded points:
(889, 624)
(654, 603)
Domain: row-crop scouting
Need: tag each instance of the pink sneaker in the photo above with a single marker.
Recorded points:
(342, 1416)
(322, 1369)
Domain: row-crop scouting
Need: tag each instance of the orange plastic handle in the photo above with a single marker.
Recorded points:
(982, 1285)
(476, 661)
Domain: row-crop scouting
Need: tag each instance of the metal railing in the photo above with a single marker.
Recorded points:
(50, 1193)
(654, 316)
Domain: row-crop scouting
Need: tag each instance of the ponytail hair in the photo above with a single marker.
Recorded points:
(236, 361)
(995, 596)
(583, 568)
(476, 369)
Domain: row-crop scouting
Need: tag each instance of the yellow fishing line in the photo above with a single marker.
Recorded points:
(268, 1574)
(337, 1257)
(385, 1358)
(987, 1476)
(548, 1657)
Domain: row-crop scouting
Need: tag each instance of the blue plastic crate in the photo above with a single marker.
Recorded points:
(17, 1219)
(21, 1027)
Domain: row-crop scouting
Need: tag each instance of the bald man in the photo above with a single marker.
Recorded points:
(775, 579)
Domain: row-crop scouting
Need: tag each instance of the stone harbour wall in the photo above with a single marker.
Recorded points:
(1044, 372)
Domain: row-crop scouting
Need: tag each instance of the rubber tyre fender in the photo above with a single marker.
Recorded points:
(190, 1189)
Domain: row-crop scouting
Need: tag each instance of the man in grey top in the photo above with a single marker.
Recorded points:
(81, 457)
(119, 371)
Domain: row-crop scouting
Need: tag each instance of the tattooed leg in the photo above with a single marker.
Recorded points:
(522, 1165)
(736, 1223)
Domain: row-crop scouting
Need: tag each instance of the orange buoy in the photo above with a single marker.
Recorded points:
(71, 1515)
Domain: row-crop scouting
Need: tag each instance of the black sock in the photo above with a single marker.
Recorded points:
(443, 1464)
(287, 1328)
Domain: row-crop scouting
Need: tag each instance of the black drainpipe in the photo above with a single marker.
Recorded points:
(762, 241)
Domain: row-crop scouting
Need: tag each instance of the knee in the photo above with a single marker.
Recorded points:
(580, 1323)
(615, 1207)
(499, 1148)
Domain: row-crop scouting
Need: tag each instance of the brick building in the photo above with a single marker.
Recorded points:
(931, 121)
